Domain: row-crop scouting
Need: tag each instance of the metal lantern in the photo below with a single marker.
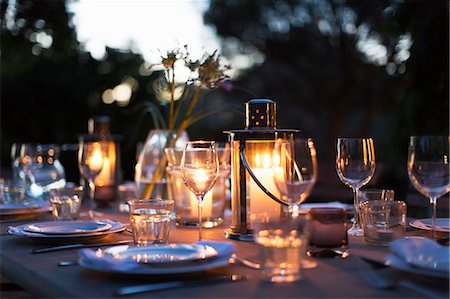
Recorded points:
(109, 177)
(253, 189)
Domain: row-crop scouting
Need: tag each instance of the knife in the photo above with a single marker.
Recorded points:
(77, 246)
(152, 287)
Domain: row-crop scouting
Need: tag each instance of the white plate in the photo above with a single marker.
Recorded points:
(397, 262)
(25, 208)
(442, 224)
(92, 260)
(67, 238)
(171, 254)
(67, 227)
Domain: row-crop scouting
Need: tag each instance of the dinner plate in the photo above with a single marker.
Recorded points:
(25, 208)
(90, 259)
(67, 227)
(442, 224)
(67, 238)
(163, 254)
(399, 263)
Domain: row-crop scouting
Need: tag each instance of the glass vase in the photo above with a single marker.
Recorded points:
(150, 172)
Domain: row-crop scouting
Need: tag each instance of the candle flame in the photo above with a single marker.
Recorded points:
(265, 162)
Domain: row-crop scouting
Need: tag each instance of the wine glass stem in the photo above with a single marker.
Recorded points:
(200, 205)
(433, 201)
(90, 210)
(356, 207)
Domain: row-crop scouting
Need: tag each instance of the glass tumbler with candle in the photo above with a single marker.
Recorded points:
(328, 229)
(66, 202)
(150, 220)
(383, 221)
(282, 244)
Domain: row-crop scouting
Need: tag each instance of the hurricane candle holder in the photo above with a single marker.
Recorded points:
(253, 189)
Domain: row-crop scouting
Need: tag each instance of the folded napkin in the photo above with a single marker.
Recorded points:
(106, 261)
(223, 248)
(422, 252)
(16, 231)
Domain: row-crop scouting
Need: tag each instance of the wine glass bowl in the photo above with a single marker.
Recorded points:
(199, 170)
(355, 166)
(295, 170)
(428, 168)
(91, 156)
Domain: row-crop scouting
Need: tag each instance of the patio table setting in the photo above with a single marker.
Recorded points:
(224, 149)
(269, 242)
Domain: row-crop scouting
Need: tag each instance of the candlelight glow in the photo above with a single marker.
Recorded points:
(95, 161)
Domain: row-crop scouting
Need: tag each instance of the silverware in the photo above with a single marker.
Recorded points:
(152, 287)
(234, 259)
(67, 263)
(382, 276)
(77, 246)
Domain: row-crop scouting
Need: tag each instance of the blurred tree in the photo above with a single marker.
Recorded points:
(51, 86)
(346, 68)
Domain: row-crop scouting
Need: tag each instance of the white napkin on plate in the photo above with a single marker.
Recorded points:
(223, 248)
(423, 253)
(107, 261)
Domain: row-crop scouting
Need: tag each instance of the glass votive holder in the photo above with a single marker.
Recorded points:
(282, 246)
(328, 228)
(383, 221)
(11, 193)
(150, 220)
(125, 191)
(375, 194)
(66, 202)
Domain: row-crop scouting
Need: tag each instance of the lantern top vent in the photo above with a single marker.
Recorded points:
(260, 114)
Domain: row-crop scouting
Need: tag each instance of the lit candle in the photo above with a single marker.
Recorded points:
(96, 160)
(260, 202)
(201, 179)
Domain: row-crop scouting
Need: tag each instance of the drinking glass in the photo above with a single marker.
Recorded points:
(428, 168)
(90, 162)
(295, 171)
(200, 169)
(355, 166)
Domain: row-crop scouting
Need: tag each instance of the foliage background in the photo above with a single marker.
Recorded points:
(304, 58)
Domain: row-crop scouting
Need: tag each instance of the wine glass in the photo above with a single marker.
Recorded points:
(428, 168)
(295, 171)
(355, 166)
(200, 169)
(90, 162)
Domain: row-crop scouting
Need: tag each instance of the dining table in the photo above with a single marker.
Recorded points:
(334, 277)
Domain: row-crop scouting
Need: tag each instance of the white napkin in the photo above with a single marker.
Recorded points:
(422, 252)
(223, 248)
(107, 261)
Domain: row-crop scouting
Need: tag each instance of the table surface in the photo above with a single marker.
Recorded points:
(333, 278)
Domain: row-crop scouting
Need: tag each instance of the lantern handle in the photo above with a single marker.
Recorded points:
(247, 166)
